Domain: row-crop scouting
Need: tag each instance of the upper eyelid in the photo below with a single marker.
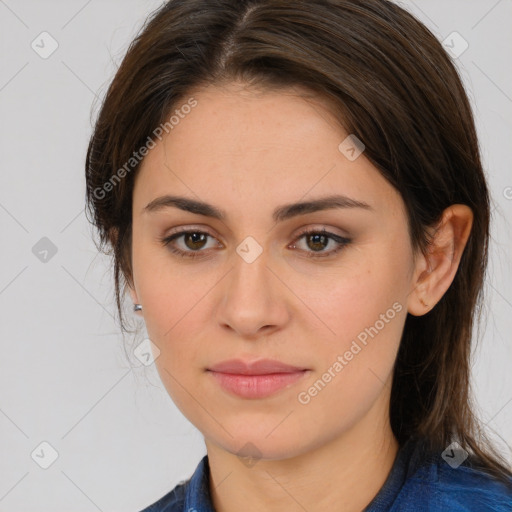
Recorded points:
(316, 229)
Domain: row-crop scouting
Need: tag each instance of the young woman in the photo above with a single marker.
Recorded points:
(296, 204)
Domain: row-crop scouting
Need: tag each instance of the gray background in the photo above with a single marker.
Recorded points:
(64, 376)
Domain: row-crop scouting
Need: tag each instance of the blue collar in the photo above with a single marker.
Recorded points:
(197, 496)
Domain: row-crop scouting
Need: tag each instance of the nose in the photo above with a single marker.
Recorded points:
(254, 301)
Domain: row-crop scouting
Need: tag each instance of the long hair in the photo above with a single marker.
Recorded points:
(391, 83)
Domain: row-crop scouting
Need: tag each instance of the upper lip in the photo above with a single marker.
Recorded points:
(259, 367)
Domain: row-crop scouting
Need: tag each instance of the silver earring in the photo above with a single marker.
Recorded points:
(137, 307)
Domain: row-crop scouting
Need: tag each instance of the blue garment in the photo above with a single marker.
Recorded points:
(416, 483)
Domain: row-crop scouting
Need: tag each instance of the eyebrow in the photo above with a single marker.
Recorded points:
(280, 214)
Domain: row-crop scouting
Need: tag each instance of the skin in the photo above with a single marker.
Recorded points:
(248, 152)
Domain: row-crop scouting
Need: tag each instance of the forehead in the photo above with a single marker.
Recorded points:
(250, 148)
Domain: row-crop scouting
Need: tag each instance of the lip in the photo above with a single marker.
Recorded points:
(256, 379)
(258, 367)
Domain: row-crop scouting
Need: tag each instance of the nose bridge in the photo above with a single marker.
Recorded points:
(252, 298)
(250, 277)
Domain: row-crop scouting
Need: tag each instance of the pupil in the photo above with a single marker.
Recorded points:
(316, 242)
(196, 238)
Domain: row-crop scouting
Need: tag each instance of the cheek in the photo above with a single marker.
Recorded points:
(367, 317)
(172, 307)
(365, 309)
(167, 289)
(354, 297)
(174, 320)
(353, 369)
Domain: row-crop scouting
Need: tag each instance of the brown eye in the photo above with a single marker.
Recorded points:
(317, 241)
(192, 244)
(195, 240)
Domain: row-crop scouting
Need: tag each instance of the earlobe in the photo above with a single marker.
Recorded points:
(137, 308)
(436, 270)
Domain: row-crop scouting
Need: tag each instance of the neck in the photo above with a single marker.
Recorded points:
(344, 473)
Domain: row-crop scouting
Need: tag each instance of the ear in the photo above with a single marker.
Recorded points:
(435, 271)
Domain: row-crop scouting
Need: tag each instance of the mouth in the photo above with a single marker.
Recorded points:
(258, 379)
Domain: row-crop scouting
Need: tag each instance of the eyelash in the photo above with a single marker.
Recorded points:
(341, 241)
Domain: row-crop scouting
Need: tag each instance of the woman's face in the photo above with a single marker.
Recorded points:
(257, 287)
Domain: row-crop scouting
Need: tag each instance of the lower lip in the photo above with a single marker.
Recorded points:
(257, 386)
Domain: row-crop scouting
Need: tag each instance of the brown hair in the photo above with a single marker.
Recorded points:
(395, 88)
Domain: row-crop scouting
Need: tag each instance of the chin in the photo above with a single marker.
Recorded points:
(257, 445)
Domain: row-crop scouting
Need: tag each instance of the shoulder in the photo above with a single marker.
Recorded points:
(473, 489)
(439, 487)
